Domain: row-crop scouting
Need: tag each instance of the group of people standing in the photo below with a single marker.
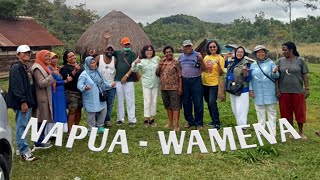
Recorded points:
(62, 91)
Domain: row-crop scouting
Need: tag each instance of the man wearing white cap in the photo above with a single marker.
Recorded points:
(21, 98)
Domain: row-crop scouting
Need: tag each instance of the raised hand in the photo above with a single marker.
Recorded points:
(69, 78)
(275, 69)
(138, 60)
(77, 67)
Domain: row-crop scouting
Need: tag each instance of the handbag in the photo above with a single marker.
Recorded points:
(102, 96)
(135, 75)
(234, 88)
(221, 90)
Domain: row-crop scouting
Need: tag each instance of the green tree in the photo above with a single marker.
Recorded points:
(10, 9)
(288, 8)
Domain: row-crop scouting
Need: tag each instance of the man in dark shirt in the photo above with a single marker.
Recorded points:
(124, 80)
(21, 99)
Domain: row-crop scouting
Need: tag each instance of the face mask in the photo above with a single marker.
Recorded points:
(126, 49)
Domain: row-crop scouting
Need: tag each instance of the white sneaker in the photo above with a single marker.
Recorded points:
(28, 156)
(42, 146)
(18, 152)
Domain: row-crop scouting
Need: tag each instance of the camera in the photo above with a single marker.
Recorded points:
(197, 64)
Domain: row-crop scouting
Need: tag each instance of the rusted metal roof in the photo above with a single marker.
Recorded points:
(25, 30)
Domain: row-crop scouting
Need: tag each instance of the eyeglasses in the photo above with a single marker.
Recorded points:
(212, 47)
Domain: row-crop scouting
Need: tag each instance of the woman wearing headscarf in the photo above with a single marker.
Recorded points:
(43, 79)
(169, 72)
(91, 83)
(58, 94)
(210, 79)
(150, 83)
(237, 84)
(293, 86)
(73, 95)
(262, 87)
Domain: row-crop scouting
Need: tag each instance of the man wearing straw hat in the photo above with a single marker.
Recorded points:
(124, 80)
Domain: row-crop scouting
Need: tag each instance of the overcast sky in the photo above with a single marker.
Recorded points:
(223, 11)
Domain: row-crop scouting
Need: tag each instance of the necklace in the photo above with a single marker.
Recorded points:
(288, 65)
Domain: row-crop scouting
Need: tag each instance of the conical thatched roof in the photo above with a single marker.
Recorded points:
(120, 25)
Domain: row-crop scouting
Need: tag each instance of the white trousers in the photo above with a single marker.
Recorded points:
(240, 107)
(150, 97)
(126, 91)
(271, 114)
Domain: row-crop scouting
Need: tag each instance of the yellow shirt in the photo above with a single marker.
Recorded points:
(210, 77)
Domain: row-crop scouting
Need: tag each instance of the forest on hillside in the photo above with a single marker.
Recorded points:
(68, 23)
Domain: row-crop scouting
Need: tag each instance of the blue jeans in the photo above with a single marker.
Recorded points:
(111, 93)
(41, 138)
(210, 94)
(193, 96)
(22, 120)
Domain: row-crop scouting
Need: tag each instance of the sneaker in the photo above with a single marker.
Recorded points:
(211, 124)
(152, 123)
(108, 124)
(132, 124)
(119, 123)
(100, 130)
(42, 146)
(28, 156)
(218, 127)
(18, 152)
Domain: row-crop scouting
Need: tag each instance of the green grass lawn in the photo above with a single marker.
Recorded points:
(294, 159)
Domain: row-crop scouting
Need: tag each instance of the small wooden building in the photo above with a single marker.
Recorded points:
(22, 30)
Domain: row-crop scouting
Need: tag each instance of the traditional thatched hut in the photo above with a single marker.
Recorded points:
(120, 25)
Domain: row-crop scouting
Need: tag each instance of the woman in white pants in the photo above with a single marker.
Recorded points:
(237, 84)
(150, 83)
(262, 87)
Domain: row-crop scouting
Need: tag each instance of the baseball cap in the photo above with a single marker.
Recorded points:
(125, 40)
(187, 43)
(23, 48)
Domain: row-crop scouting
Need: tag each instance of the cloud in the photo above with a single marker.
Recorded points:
(223, 11)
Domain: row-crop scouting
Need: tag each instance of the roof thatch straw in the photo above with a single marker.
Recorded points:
(120, 25)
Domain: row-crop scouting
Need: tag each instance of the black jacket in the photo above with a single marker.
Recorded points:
(20, 88)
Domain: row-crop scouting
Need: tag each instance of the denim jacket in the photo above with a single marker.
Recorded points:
(263, 87)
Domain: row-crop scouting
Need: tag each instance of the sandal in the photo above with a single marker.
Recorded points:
(318, 133)
(152, 123)
(146, 123)
(168, 126)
